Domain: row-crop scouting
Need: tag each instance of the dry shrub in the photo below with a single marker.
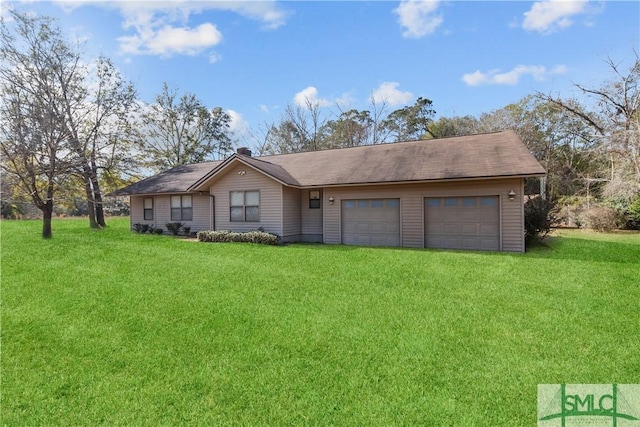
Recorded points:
(601, 219)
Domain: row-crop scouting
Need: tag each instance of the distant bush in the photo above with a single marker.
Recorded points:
(539, 218)
(601, 218)
(158, 231)
(634, 214)
(143, 228)
(225, 236)
(174, 227)
(570, 208)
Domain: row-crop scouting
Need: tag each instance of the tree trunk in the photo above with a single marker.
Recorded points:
(47, 213)
(97, 198)
(90, 205)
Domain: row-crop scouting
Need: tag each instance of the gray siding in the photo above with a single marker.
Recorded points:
(311, 219)
(137, 211)
(285, 211)
(201, 213)
(412, 207)
(513, 219)
(270, 199)
(162, 212)
(291, 214)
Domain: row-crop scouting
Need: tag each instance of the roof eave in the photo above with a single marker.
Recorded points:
(200, 184)
(420, 181)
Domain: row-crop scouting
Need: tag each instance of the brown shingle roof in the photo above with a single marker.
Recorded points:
(175, 180)
(500, 154)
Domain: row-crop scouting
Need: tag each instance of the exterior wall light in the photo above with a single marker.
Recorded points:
(241, 173)
(512, 195)
(330, 200)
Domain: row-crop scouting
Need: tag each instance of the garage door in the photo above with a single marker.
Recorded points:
(371, 222)
(462, 223)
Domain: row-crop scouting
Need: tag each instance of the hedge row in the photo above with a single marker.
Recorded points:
(223, 236)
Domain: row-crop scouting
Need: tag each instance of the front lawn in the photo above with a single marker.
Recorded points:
(112, 327)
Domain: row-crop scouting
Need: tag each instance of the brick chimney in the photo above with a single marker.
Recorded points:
(244, 151)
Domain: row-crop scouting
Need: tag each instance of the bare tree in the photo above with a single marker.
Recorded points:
(33, 134)
(616, 123)
(177, 130)
(299, 129)
(308, 122)
(262, 137)
(89, 101)
(378, 114)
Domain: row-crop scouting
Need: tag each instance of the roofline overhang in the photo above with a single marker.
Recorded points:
(164, 193)
(195, 189)
(417, 181)
(197, 186)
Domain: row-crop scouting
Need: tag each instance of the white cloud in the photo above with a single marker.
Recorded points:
(213, 58)
(168, 40)
(495, 77)
(238, 125)
(547, 16)
(418, 17)
(309, 95)
(389, 93)
(162, 27)
(345, 100)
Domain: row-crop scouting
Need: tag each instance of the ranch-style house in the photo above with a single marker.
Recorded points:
(456, 193)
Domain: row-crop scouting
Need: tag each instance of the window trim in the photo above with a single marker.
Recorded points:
(182, 209)
(244, 206)
(145, 209)
(314, 199)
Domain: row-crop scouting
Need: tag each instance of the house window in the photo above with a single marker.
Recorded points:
(148, 208)
(314, 199)
(244, 206)
(181, 208)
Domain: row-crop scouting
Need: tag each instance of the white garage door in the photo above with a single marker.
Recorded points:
(371, 222)
(462, 223)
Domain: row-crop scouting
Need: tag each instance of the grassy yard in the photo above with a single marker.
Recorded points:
(110, 327)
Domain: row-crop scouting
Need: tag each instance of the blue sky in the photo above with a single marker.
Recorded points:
(254, 58)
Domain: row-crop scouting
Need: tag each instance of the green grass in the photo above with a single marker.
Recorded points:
(110, 327)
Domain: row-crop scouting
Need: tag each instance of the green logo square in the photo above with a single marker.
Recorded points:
(566, 405)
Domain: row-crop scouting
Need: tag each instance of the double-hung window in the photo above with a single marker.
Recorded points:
(314, 199)
(244, 206)
(181, 208)
(148, 208)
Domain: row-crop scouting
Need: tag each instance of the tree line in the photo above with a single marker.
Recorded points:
(74, 128)
(590, 146)
(69, 124)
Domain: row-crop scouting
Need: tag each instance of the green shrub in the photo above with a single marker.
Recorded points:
(186, 230)
(225, 236)
(158, 231)
(143, 228)
(634, 214)
(174, 227)
(539, 218)
(601, 218)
